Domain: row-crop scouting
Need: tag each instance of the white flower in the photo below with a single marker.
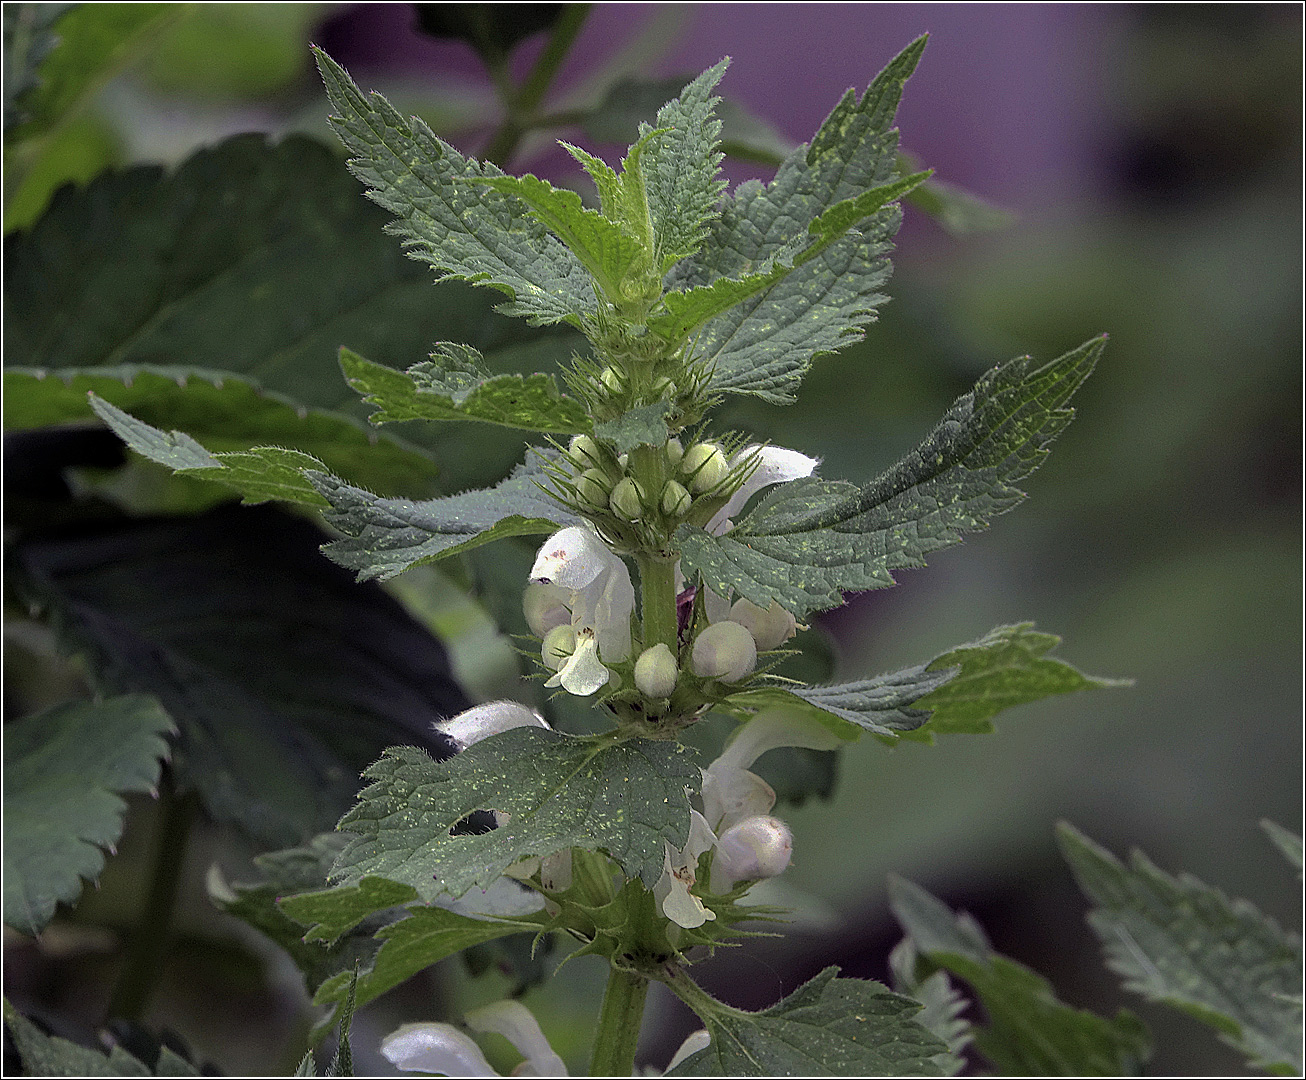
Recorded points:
(750, 850)
(732, 793)
(443, 1049)
(694, 1042)
(775, 465)
(595, 586)
(482, 721)
(735, 819)
(672, 889)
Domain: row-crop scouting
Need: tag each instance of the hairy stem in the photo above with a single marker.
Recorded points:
(148, 945)
(522, 102)
(657, 585)
(619, 1023)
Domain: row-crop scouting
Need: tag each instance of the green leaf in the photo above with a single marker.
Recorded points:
(387, 536)
(174, 273)
(829, 1026)
(77, 47)
(603, 248)
(260, 474)
(1030, 1032)
(342, 1061)
(943, 1003)
(957, 210)
(1008, 666)
(439, 390)
(809, 541)
(1287, 842)
(955, 693)
(679, 165)
(294, 871)
(427, 936)
(881, 705)
(764, 345)
(684, 311)
(629, 101)
(65, 771)
(222, 412)
(1178, 941)
(331, 913)
(457, 227)
(644, 425)
(178, 607)
(29, 38)
(49, 1055)
(559, 791)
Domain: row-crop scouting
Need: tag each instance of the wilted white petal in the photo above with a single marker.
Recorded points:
(505, 899)
(696, 1041)
(514, 1022)
(583, 673)
(482, 721)
(435, 1048)
(776, 465)
(555, 871)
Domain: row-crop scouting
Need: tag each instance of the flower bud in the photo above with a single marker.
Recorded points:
(656, 671)
(584, 452)
(705, 465)
(612, 381)
(675, 451)
(770, 628)
(663, 389)
(724, 651)
(757, 847)
(627, 500)
(592, 488)
(557, 647)
(675, 500)
(545, 606)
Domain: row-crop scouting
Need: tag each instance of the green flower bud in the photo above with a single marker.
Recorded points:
(705, 466)
(557, 647)
(592, 488)
(664, 389)
(656, 672)
(627, 501)
(675, 500)
(674, 452)
(584, 452)
(724, 651)
(612, 381)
